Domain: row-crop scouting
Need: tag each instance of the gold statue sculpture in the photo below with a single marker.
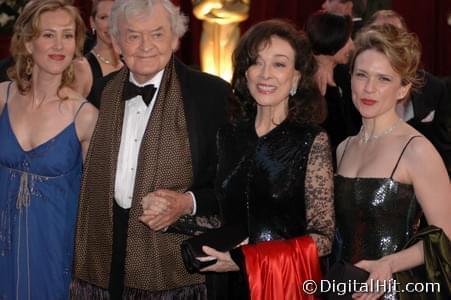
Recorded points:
(220, 33)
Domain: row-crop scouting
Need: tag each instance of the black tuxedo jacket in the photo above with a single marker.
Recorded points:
(432, 114)
(343, 119)
(431, 109)
(204, 98)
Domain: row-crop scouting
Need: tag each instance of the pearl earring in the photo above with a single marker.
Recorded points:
(293, 91)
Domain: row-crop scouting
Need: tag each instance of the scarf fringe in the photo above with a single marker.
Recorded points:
(80, 290)
(192, 292)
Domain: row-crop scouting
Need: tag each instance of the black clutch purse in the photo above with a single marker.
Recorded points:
(344, 273)
(221, 239)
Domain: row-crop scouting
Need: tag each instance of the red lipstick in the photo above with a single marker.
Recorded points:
(58, 57)
(367, 101)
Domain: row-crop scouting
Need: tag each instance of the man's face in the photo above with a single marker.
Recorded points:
(337, 7)
(146, 42)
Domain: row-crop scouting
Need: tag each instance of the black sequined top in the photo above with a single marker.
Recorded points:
(270, 183)
(375, 216)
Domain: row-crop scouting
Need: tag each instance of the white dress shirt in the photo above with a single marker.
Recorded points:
(136, 116)
(405, 110)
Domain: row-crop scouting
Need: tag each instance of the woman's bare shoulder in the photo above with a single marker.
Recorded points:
(73, 100)
(343, 145)
(415, 143)
(3, 93)
(83, 76)
(420, 149)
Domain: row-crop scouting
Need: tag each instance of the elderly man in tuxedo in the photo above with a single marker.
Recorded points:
(148, 180)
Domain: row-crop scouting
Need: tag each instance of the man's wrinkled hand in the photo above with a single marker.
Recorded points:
(162, 208)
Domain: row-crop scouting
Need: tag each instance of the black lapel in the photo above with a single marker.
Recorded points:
(189, 94)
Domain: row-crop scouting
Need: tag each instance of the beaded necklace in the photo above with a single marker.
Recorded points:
(101, 58)
(366, 138)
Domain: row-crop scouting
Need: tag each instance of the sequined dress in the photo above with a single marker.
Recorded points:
(264, 180)
(38, 203)
(375, 216)
(279, 185)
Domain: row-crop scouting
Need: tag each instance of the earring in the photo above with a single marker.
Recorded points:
(29, 66)
(70, 72)
(293, 91)
(93, 31)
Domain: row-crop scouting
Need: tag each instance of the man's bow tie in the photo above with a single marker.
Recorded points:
(131, 90)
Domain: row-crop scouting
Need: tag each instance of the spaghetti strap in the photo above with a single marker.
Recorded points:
(344, 151)
(79, 108)
(402, 152)
(7, 91)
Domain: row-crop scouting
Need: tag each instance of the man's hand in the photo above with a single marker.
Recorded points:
(325, 74)
(162, 208)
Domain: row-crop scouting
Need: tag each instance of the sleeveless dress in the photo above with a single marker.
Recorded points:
(39, 192)
(374, 216)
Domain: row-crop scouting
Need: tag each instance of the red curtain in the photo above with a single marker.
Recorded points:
(427, 18)
(294, 10)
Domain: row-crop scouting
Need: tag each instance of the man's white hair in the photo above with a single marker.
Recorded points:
(131, 8)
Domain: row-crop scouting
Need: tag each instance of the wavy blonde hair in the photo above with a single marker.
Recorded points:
(402, 49)
(27, 28)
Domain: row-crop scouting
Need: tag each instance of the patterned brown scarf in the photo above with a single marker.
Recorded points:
(153, 260)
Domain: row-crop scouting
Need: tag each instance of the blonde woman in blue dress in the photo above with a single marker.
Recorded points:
(45, 130)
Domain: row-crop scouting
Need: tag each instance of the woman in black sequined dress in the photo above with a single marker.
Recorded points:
(275, 170)
(388, 174)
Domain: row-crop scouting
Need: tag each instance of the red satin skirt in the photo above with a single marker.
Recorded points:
(277, 270)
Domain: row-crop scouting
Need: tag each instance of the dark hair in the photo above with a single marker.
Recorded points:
(387, 14)
(95, 6)
(307, 105)
(359, 7)
(328, 32)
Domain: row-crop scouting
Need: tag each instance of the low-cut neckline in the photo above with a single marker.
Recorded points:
(40, 145)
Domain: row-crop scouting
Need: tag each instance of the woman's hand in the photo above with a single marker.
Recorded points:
(381, 275)
(224, 261)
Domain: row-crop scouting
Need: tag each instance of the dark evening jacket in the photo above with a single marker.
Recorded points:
(203, 118)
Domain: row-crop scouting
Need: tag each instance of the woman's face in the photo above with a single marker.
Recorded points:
(337, 7)
(342, 55)
(376, 87)
(273, 74)
(54, 47)
(101, 21)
